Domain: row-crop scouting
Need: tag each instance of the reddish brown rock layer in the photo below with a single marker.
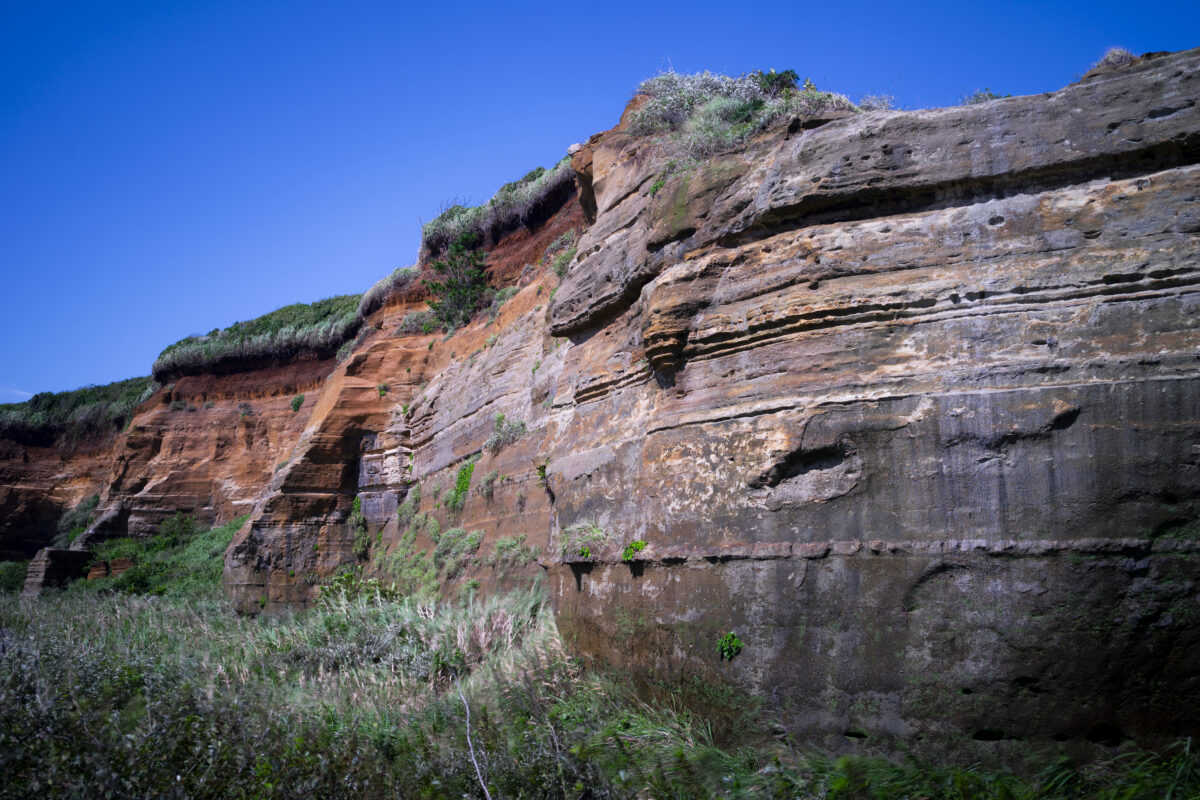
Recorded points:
(906, 400)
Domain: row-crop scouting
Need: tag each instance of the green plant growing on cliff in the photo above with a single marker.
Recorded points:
(419, 322)
(729, 645)
(358, 527)
(581, 537)
(383, 388)
(514, 204)
(487, 485)
(511, 551)
(454, 548)
(562, 262)
(412, 503)
(297, 401)
(498, 300)
(180, 561)
(504, 433)
(632, 549)
(460, 283)
(457, 496)
(75, 521)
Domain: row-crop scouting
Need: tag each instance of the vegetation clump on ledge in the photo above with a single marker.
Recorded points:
(74, 415)
(513, 205)
(705, 113)
(317, 329)
(376, 297)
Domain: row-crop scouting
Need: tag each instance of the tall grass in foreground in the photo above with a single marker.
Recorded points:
(106, 692)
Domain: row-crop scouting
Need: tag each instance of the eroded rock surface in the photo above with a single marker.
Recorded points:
(908, 401)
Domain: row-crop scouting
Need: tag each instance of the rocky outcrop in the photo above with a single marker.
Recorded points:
(907, 401)
(438, 410)
(205, 445)
(53, 567)
(39, 482)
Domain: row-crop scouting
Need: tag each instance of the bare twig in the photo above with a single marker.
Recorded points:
(471, 747)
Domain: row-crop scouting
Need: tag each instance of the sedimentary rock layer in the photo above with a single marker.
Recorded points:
(907, 401)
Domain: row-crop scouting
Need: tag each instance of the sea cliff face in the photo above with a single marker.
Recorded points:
(909, 402)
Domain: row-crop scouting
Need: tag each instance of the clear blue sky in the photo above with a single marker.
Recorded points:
(169, 167)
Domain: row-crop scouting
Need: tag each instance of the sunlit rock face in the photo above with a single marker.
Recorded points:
(907, 401)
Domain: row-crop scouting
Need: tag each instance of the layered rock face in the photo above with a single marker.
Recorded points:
(38, 483)
(205, 445)
(907, 401)
(910, 403)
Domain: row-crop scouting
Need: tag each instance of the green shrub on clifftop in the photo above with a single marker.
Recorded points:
(704, 114)
(460, 284)
(319, 328)
(510, 206)
(74, 415)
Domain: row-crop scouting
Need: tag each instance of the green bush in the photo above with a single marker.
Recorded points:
(460, 284)
(75, 521)
(562, 262)
(487, 485)
(511, 551)
(319, 328)
(74, 415)
(498, 300)
(297, 401)
(581, 537)
(12, 576)
(632, 549)
(775, 83)
(729, 646)
(419, 322)
(180, 561)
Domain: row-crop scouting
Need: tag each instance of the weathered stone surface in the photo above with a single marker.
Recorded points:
(951, 358)
(440, 409)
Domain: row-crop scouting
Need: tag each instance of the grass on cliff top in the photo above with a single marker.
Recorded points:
(74, 415)
(703, 114)
(109, 691)
(511, 205)
(299, 329)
